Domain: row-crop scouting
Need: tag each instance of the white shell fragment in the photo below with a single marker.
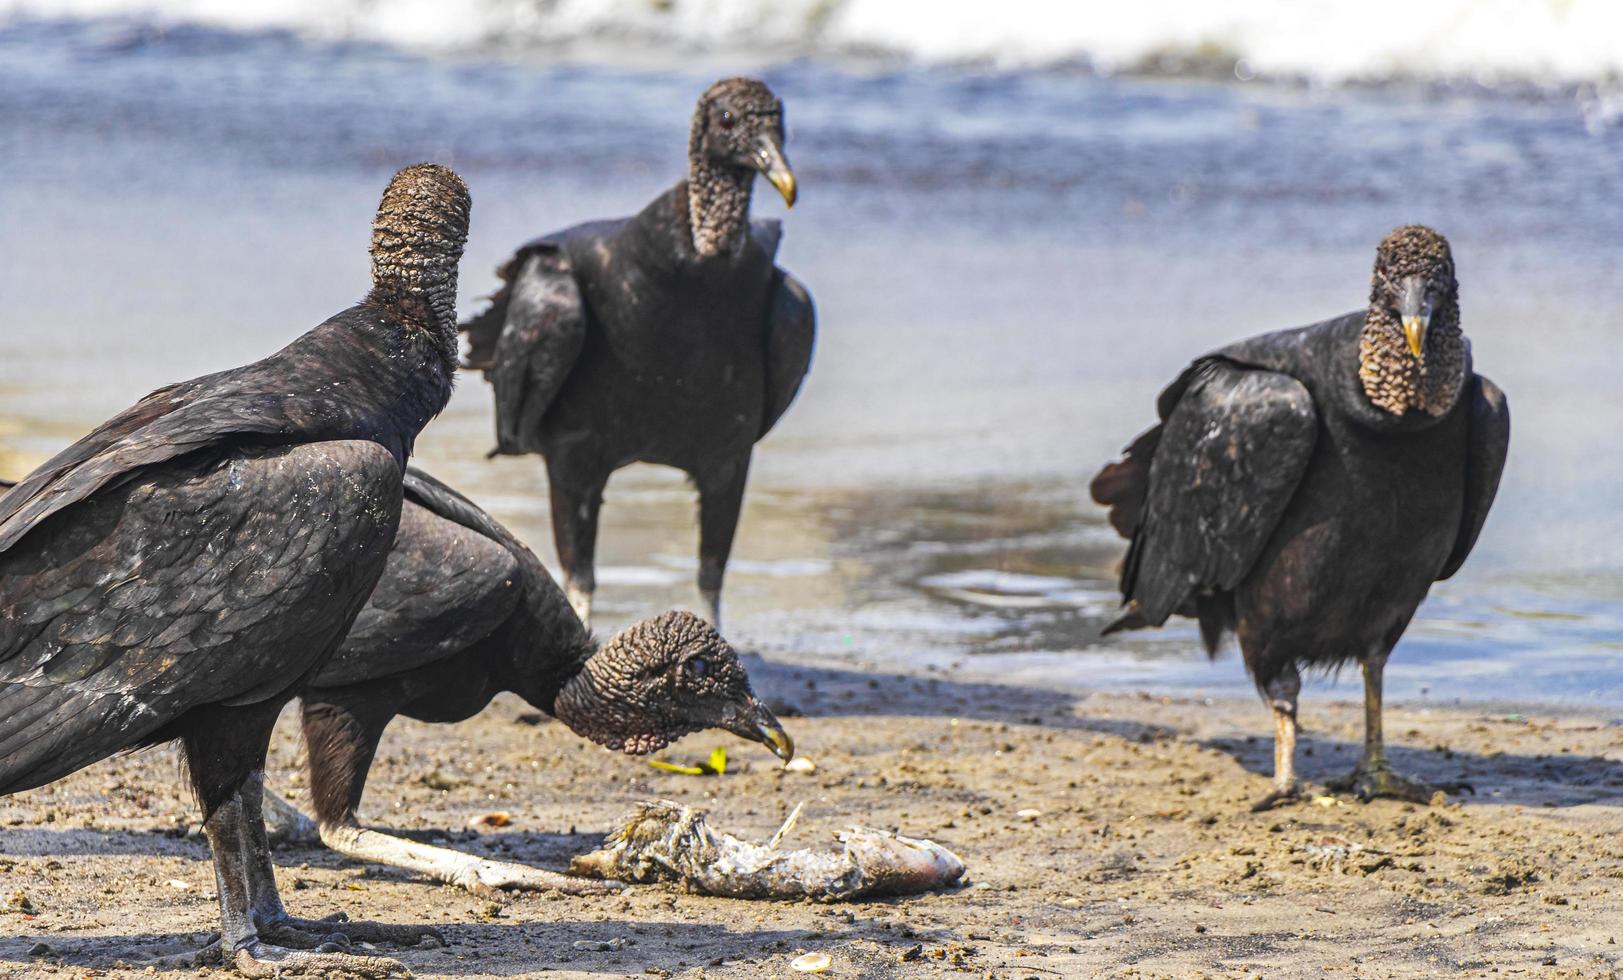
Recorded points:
(665, 841)
(1028, 814)
(812, 963)
(800, 764)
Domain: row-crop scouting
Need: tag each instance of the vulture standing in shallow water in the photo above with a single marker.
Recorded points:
(463, 612)
(669, 337)
(1305, 488)
(182, 571)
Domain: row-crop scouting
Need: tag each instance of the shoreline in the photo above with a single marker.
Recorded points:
(1142, 861)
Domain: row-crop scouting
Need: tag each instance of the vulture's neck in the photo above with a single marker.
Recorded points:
(584, 705)
(718, 206)
(416, 287)
(1395, 381)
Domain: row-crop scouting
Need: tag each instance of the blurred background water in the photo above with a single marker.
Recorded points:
(1017, 229)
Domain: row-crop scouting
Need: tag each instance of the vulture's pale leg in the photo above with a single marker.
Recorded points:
(1374, 776)
(474, 874)
(271, 917)
(1281, 694)
(580, 600)
(721, 497)
(226, 829)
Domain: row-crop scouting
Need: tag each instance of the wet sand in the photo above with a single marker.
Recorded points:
(1142, 859)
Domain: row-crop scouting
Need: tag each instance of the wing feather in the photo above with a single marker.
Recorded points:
(84, 674)
(544, 331)
(1484, 464)
(791, 335)
(454, 576)
(1223, 466)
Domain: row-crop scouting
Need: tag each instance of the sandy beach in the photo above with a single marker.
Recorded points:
(1142, 859)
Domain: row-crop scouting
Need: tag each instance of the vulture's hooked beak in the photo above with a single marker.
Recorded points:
(770, 162)
(756, 722)
(1415, 310)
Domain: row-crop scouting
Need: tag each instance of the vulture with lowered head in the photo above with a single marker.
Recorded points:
(465, 611)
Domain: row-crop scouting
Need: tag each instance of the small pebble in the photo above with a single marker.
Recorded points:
(812, 963)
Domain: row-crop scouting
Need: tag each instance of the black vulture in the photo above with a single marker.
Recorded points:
(669, 337)
(182, 571)
(465, 611)
(1306, 487)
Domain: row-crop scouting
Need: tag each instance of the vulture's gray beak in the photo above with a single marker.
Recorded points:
(756, 722)
(770, 162)
(1415, 310)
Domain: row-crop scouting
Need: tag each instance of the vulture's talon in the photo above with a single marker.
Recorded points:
(341, 933)
(264, 960)
(302, 934)
(1383, 783)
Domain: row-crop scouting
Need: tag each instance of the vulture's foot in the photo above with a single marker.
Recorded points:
(322, 934)
(339, 931)
(1383, 783)
(488, 879)
(264, 960)
(1279, 797)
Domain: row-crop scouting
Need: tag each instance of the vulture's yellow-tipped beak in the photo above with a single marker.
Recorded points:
(753, 720)
(779, 741)
(784, 181)
(770, 162)
(1414, 328)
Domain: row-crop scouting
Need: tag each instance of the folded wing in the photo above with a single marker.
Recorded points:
(1200, 494)
(1484, 464)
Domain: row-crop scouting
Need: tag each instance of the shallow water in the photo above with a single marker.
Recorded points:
(1008, 266)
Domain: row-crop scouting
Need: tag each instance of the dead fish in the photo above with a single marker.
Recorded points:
(665, 841)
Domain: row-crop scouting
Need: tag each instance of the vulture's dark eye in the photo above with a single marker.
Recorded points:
(727, 119)
(697, 667)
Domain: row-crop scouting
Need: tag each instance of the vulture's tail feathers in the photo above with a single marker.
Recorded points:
(1123, 486)
(484, 329)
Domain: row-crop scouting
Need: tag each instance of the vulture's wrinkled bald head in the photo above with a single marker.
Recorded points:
(1415, 250)
(1414, 279)
(417, 239)
(663, 678)
(424, 208)
(1412, 354)
(739, 124)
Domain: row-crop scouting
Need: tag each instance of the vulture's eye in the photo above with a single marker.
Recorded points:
(698, 667)
(727, 119)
